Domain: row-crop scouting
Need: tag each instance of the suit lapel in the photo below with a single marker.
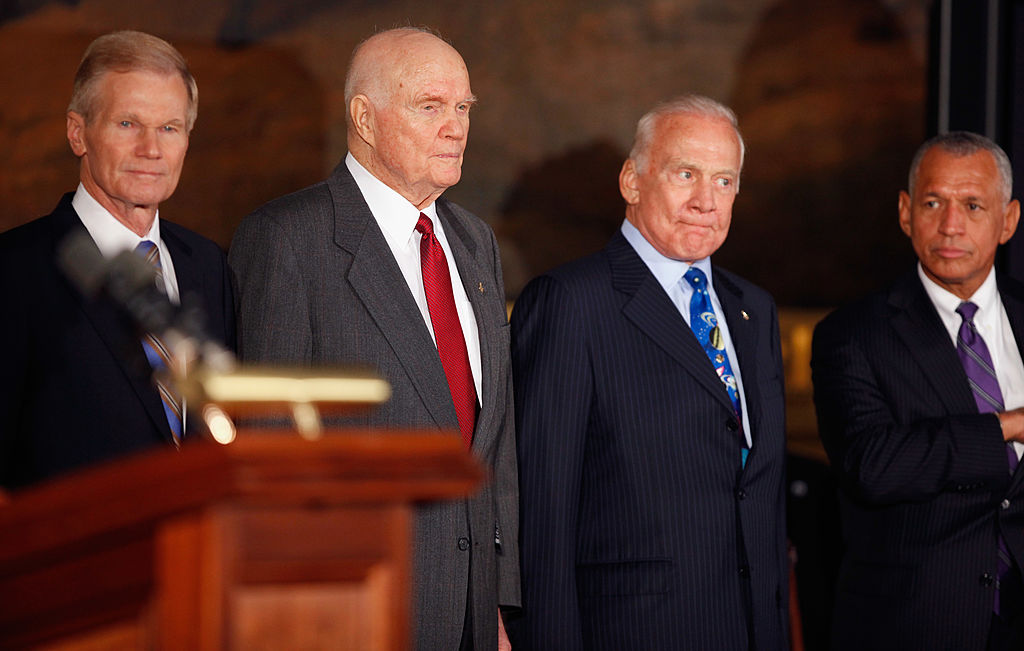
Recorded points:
(110, 327)
(744, 325)
(652, 312)
(918, 325)
(378, 282)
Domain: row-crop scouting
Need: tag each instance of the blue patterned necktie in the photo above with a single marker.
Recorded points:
(158, 355)
(981, 376)
(704, 324)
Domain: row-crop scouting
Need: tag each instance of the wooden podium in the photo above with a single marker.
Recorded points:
(272, 542)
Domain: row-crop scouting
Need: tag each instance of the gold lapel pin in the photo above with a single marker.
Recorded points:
(480, 286)
(743, 313)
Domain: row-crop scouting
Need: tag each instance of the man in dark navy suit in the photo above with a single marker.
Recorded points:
(76, 385)
(650, 414)
(919, 390)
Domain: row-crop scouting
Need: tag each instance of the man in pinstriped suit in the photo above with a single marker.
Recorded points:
(651, 470)
(331, 274)
(924, 467)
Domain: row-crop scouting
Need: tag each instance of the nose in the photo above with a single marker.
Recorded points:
(455, 126)
(148, 145)
(703, 198)
(952, 220)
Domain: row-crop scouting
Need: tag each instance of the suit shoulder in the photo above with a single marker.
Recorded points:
(748, 288)
(579, 285)
(25, 236)
(858, 316)
(583, 270)
(203, 245)
(295, 208)
(478, 228)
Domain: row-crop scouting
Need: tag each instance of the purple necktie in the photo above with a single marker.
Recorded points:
(981, 375)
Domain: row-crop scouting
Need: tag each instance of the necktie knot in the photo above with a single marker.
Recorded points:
(697, 279)
(425, 226)
(967, 310)
(149, 251)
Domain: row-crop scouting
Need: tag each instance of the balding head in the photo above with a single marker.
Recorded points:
(408, 100)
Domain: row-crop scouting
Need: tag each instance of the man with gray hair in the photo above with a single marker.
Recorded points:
(919, 391)
(650, 419)
(371, 266)
(76, 382)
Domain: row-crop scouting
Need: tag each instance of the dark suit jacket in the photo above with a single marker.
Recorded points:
(318, 284)
(640, 529)
(75, 386)
(922, 474)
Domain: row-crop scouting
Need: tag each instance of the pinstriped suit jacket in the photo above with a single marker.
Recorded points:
(640, 529)
(317, 284)
(922, 474)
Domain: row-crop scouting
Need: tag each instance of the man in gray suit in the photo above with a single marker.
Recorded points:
(356, 269)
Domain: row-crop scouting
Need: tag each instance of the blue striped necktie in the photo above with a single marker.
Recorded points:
(159, 356)
(981, 376)
(704, 324)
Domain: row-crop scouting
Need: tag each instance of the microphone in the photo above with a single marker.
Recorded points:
(131, 282)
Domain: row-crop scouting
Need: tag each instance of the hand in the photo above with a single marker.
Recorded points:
(503, 643)
(1012, 423)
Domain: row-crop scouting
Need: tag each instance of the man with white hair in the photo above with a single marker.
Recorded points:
(650, 422)
(371, 266)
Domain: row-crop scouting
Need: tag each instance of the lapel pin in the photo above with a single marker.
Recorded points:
(480, 286)
(743, 313)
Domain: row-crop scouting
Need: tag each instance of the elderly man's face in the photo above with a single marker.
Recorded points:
(133, 148)
(957, 218)
(422, 130)
(682, 201)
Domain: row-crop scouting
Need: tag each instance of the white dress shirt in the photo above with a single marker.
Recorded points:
(993, 326)
(669, 272)
(397, 220)
(112, 237)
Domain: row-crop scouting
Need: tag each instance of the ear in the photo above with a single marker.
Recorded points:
(904, 206)
(628, 186)
(1010, 219)
(76, 133)
(360, 112)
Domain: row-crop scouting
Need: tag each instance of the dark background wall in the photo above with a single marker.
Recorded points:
(830, 94)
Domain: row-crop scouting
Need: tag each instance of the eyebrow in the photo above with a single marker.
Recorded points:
(437, 98)
(133, 117)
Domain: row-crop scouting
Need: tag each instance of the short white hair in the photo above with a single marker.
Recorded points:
(696, 104)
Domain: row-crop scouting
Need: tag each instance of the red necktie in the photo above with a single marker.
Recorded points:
(451, 344)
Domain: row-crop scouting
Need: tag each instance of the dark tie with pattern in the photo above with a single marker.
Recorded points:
(981, 376)
(704, 324)
(451, 343)
(158, 355)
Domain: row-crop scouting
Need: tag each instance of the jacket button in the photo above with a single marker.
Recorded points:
(731, 425)
(986, 579)
(1005, 504)
(741, 494)
(744, 571)
(463, 544)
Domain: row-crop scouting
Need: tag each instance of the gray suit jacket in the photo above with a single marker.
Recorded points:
(317, 284)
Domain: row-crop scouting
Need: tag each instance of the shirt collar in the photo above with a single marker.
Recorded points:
(110, 235)
(985, 297)
(394, 214)
(666, 270)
